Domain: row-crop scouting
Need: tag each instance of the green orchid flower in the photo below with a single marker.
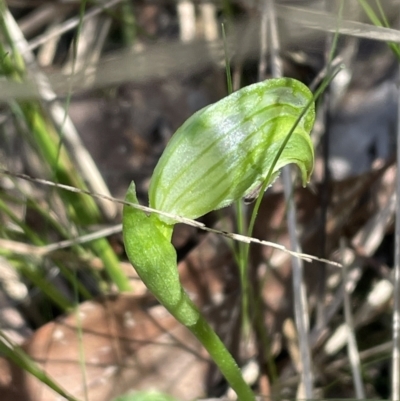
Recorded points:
(222, 153)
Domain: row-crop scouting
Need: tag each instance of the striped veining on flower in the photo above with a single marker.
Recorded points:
(214, 146)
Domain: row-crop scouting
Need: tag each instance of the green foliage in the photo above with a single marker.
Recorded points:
(380, 21)
(21, 359)
(219, 155)
(46, 138)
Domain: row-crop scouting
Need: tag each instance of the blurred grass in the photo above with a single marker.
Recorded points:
(46, 140)
(380, 21)
(19, 357)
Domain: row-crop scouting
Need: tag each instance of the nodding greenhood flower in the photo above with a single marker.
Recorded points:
(220, 154)
(225, 151)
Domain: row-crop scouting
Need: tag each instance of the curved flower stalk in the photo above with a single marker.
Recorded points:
(222, 153)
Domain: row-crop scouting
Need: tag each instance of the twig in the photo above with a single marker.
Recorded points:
(327, 22)
(40, 17)
(69, 25)
(190, 222)
(187, 20)
(352, 349)
(300, 300)
(62, 121)
(160, 60)
(262, 65)
(208, 13)
(396, 282)
(377, 301)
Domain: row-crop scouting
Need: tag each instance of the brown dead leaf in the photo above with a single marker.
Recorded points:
(126, 343)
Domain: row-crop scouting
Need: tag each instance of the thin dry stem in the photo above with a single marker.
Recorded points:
(64, 124)
(300, 299)
(173, 57)
(69, 25)
(352, 349)
(236, 237)
(396, 298)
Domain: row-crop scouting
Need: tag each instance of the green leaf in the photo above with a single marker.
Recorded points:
(225, 151)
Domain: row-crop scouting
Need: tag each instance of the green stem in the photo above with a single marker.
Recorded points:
(111, 264)
(241, 255)
(147, 244)
(223, 359)
(128, 23)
